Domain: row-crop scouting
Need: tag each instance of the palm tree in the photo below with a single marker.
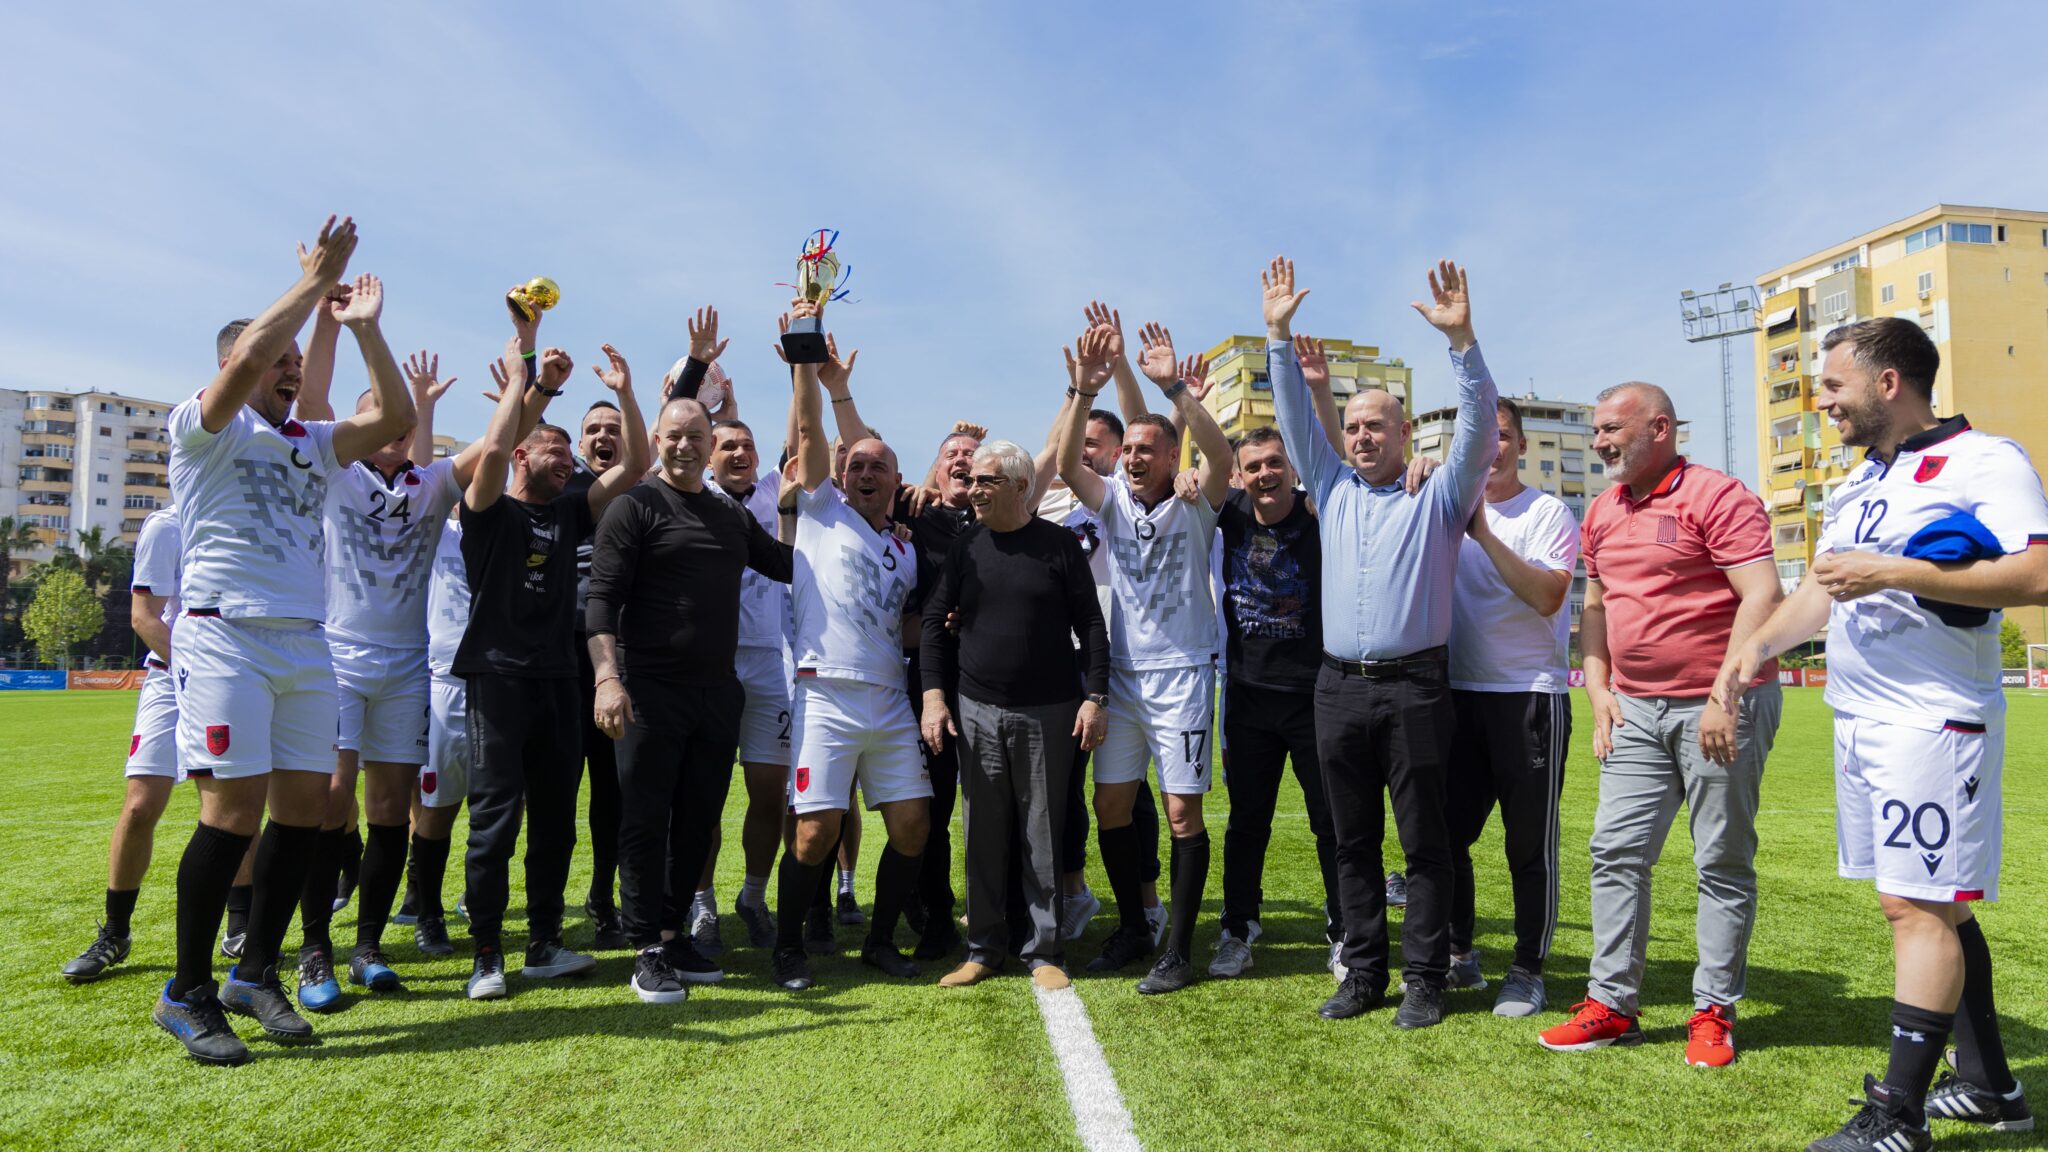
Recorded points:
(93, 548)
(16, 535)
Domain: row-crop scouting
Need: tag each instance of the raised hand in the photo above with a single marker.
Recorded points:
(705, 346)
(834, 372)
(1156, 358)
(1100, 315)
(1450, 308)
(528, 327)
(509, 371)
(331, 250)
(1315, 364)
(798, 308)
(1194, 372)
(555, 367)
(968, 428)
(1281, 299)
(616, 376)
(423, 374)
(331, 305)
(1090, 371)
(364, 304)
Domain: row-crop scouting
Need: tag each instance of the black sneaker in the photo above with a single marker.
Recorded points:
(608, 934)
(1172, 973)
(1397, 890)
(1879, 1126)
(200, 1025)
(1355, 995)
(937, 939)
(790, 969)
(367, 968)
(818, 936)
(889, 960)
(1422, 1006)
(265, 1002)
(1954, 1098)
(654, 982)
(704, 935)
(760, 923)
(690, 964)
(106, 951)
(849, 909)
(1124, 947)
(430, 936)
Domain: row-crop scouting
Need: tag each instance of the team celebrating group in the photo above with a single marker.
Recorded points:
(328, 601)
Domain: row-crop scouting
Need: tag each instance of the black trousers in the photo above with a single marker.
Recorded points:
(1264, 728)
(935, 874)
(1389, 736)
(602, 757)
(525, 748)
(1510, 747)
(675, 767)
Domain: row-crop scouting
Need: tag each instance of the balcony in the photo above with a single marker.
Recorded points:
(1787, 499)
(131, 527)
(1790, 463)
(47, 428)
(52, 487)
(40, 499)
(149, 459)
(139, 442)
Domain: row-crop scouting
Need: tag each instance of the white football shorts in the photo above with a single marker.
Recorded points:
(847, 730)
(253, 696)
(765, 675)
(444, 778)
(382, 696)
(1919, 810)
(1160, 715)
(153, 747)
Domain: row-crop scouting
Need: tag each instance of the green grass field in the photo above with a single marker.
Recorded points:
(861, 1063)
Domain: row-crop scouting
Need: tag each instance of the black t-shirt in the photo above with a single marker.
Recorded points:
(1021, 594)
(1272, 604)
(932, 534)
(580, 481)
(665, 579)
(522, 584)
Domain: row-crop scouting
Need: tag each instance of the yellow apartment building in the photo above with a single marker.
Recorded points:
(1241, 397)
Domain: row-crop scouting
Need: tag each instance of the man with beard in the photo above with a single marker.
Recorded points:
(519, 546)
(1678, 574)
(1913, 659)
(666, 577)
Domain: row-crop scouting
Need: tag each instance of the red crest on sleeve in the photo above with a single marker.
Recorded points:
(1930, 467)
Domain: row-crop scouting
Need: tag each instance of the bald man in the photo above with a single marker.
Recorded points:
(665, 576)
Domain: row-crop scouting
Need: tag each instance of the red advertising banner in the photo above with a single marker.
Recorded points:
(1790, 677)
(1816, 677)
(105, 680)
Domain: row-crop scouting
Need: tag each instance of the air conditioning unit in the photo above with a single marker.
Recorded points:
(1927, 293)
(1838, 315)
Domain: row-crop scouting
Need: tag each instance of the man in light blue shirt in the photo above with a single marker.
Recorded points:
(1382, 699)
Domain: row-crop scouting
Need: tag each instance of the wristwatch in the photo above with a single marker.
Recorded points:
(1098, 699)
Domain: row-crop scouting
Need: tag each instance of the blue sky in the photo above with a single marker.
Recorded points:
(991, 168)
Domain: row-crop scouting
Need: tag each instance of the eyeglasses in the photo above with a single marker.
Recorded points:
(989, 481)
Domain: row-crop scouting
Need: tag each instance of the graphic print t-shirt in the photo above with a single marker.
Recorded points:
(1272, 603)
(381, 537)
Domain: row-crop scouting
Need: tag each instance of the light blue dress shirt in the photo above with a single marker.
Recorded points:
(1389, 559)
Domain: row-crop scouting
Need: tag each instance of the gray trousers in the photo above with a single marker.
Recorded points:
(1656, 763)
(1014, 764)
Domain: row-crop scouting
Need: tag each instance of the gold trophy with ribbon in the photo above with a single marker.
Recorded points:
(536, 295)
(819, 276)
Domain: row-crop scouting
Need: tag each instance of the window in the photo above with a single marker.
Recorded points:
(1925, 283)
(1835, 304)
(1598, 468)
(1970, 233)
(100, 501)
(106, 430)
(1846, 262)
(102, 477)
(1929, 237)
(1884, 294)
(2001, 233)
(1549, 466)
(103, 406)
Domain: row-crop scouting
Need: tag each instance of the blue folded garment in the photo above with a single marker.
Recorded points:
(1956, 537)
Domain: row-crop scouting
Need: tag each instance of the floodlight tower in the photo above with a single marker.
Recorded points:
(1721, 316)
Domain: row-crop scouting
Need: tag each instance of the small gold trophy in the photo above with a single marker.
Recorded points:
(819, 274)
(536, 295)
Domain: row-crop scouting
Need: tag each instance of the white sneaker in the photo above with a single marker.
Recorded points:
(1155, 916)
(1234, 955)
(1075, 913)
(1336, 964)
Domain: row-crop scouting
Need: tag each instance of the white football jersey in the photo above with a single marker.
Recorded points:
(1889, 658)
(447, 600)
(1162, 612)
(380, 545)
(1498, 643)
(157, 560)
(764, 603)
(850, 588)
(249, 513)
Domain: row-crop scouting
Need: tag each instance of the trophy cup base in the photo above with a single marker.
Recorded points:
(804, 343)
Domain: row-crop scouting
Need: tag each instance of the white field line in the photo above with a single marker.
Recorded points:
(1100, 1117)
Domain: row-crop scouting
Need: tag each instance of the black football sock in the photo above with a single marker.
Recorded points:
(1121, 859)
(895, 879)
(1189, 862)
(424, 874)
(795, 883)
(120, 909)
(316, 892)
(238, 907)
(282, 858)
(383, 865)
(1980, 1050)
(350, 863)
(1918, 1036)
(205, 873)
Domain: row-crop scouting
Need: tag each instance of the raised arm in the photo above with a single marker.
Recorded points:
(634, 449)
(487, 482)
(1178, 382)
(391, 413)
(1475, 439)
(315, 400)
(1308, 445)
(1315, 372)
(423, 376)
(1130, 395)
(813, 450)
(267, 337)
(1090, 373)
(836, 376)
(1046, 464)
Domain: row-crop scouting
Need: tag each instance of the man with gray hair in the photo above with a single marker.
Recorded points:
(1021, 586)
(1678, 574)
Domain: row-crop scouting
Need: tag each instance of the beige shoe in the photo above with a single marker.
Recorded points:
(970, 972)
(1050, 978)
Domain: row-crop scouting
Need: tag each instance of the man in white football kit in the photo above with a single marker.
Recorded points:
(1162, 636)
(850, 714)
(1913, 677)
(152, 748)
(255, 686)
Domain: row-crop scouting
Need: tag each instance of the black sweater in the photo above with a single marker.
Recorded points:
(665, 579)
(1021, 595)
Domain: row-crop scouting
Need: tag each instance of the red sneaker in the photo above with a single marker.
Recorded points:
(1710, 1038)
(1593, 1025)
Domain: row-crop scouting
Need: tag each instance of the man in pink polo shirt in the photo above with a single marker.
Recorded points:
(1678, 573)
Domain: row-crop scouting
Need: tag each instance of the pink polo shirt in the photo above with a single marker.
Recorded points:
(1662, 563)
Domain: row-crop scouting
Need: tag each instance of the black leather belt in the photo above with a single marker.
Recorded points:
(1400, 667)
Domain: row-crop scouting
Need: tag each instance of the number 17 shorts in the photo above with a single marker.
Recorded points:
(1159, 714)
(1919, 809)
